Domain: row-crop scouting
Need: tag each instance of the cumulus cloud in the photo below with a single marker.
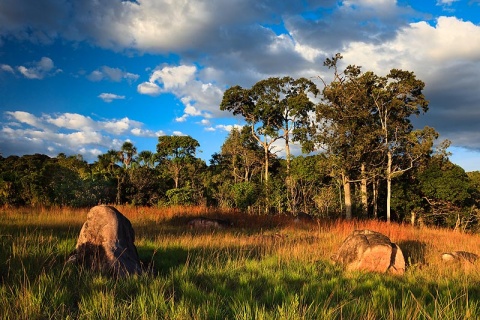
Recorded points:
(39, 69)
(139, 132)
(227, 128)
(6, 68)
(198, 98)
(109, 97)
(112, 74)
(149, 88)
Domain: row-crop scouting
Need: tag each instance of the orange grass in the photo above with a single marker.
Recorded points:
(280, 234)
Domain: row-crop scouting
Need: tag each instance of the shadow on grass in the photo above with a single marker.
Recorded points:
(414, 252)
(159, 261)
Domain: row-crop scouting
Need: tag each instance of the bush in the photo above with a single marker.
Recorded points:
(181, 196)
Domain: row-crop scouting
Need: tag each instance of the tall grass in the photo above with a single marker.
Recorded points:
(265, 267)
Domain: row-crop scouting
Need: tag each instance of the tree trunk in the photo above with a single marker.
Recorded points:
(287, 154)
(389, 183)
(266, 164)
(348, 197)
(120, 180)
(363, 191)
(176, 176)
(375, 198)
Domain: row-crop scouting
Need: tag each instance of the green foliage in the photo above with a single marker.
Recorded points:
(181, 196)
(175, 152)
(245, 194)
(445, 181)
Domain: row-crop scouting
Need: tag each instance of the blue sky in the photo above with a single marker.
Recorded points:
(82, 77)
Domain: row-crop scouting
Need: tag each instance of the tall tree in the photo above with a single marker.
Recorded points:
(241, 154)
(274, 108)
(126, 153)
(175, 152)
(345, 127)
(396, 97)
(147, 159)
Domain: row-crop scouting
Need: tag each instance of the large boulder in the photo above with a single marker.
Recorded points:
(367, 250)
(106, 243)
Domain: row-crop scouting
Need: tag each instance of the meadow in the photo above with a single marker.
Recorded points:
(264, 267)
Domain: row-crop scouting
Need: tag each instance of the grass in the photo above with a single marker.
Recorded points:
(265, 267)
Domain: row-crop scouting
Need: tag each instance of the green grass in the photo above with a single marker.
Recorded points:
(268, 270)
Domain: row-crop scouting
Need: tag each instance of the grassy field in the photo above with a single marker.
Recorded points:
(265, 267)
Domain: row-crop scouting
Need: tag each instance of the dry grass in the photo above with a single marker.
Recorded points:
(305, 240)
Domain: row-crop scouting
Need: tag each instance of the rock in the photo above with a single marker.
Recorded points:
(302, 216)
(208, 223)
(459, 257)
(367, 250)
(106, 243)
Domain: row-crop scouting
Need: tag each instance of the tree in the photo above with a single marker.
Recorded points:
(126, 153)
(241, 155)
(447, 192)
(274, 108)
(396, 98)
(345, 125)
(254, 105)
(146, 159)
(175, 152)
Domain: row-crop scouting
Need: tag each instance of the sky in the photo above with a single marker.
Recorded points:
(84, 76)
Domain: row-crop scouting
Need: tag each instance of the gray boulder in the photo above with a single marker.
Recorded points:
(459, 257)
(367, 250)
(106, 243)
(209, 223)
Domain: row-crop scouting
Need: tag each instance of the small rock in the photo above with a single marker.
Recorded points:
(459, 256)
(208, 223)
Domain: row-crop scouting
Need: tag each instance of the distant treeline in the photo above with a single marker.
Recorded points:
(435, 192)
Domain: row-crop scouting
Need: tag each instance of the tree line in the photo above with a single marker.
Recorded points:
(362, 158)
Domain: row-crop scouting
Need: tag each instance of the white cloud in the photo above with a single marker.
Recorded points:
(205, 122)
(112, 74)
(149, 88)
(119, 126)
(109, 97)
(96, 75)
(72, 121)
(25, 117)
(39, 70)
(198, 98)
(183, 118)
(228, 127)
(139, 132)
(173, 77)
(308, 53)
(445, 2)
(7, 68)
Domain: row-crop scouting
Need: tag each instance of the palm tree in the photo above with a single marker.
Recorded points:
(126, 153)
(146, 158)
